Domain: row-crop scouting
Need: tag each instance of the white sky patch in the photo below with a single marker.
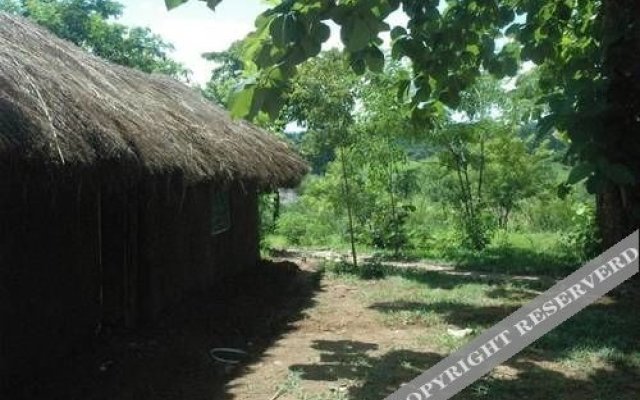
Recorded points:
(510, 83)
(194, 29)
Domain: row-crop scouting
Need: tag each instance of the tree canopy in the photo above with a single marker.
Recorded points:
(587, 53)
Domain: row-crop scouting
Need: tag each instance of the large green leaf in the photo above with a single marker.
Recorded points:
(375, 59)
(212, 4)
(580, 172)
(171, 4)
(241, 102)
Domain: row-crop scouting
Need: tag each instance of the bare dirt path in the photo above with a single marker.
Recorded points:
(337, 343)
(344, 348)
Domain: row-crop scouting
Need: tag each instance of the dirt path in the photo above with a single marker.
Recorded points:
(337, 342)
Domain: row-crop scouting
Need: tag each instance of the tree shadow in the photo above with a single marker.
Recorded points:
(446, 279)
(514, 261)
(605, 325)
(459, 314)
(372, 376)
(347, 360)
(528, 379)
(513, 293)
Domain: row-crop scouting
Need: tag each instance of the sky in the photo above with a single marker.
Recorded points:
(193, 28)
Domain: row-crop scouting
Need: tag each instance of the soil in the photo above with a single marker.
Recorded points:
(326, 347)
(287, 318)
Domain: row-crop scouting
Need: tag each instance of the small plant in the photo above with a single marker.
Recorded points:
(292, 387)
(370, 270)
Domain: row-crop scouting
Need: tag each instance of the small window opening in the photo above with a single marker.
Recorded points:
(220, 212)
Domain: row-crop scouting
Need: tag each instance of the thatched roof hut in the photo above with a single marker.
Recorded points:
(120, 194)
(66, 109)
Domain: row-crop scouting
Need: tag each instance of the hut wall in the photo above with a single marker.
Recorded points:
(49, 273)
(178, 253)
(74, 258)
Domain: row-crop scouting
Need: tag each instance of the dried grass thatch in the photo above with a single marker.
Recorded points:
(64, 108)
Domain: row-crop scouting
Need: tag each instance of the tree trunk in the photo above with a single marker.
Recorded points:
(618, 207)
(347, 192)
(276, 207)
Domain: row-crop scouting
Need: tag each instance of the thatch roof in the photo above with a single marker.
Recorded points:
(64, 108)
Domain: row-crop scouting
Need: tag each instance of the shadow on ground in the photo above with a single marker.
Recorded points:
(458, 314)
(351, 361)
(373, 377)
(447, 278)
(171, 360)
(515, 261)
(607, 325)
(605, 330)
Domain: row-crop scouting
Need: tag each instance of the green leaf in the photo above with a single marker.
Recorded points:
(171, 4)
(403, 89)
(355, 34)
(375, 59)
(595, 184)
(241, 101)
(278, 31)
(321, 32)
(311, 47)
(398, 32)
(273, 106)
(359, 66)
(579, 173)
(212, 4)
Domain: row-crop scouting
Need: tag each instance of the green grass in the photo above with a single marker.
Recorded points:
(292, 387)
(509, 253)
(594, 355)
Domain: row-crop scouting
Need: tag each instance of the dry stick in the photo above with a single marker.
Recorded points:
(278, 394)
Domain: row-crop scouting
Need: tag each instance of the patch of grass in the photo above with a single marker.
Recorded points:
(594, 355)
(371, 270)
(292, 387)
(519, 254)
(273, 241)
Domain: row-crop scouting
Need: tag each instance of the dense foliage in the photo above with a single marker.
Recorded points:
(483, 169)
(587, 51)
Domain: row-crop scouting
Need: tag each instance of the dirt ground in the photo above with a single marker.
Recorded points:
(307, 337)
(338, 333)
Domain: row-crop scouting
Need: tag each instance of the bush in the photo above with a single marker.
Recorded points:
(582, 241)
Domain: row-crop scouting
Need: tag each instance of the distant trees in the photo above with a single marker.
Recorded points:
(87, 24)
(588, 52)
(485, 156)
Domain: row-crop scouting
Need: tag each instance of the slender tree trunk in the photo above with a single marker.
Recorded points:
(463, 190)
(618, 207)
(481, 171)
(347, 193)
(472, 205)
(394, 213)
(276, 207)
